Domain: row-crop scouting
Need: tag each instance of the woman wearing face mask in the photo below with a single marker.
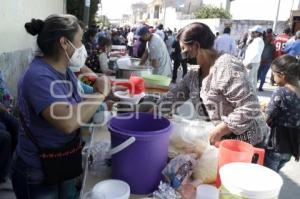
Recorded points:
(219, 89)
(48, 155)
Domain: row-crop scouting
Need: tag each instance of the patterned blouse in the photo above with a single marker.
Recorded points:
(227, 96)
(284, 108)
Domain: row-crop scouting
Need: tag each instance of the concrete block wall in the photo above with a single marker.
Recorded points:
(12, 65)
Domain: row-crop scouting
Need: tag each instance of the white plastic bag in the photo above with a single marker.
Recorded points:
(205, 170)
(189, 136)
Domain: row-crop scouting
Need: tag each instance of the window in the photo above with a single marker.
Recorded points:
(156, 12)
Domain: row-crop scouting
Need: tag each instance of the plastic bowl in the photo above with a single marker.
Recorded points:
(158, 80)
(113, 189)
(124, 96)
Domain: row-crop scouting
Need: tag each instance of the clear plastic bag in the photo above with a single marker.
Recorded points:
(189, 136)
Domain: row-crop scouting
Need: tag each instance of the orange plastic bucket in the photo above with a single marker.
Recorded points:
(237, 151)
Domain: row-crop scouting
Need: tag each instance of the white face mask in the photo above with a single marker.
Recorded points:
(77, 61)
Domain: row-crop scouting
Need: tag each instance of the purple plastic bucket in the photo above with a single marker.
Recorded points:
(141, 163)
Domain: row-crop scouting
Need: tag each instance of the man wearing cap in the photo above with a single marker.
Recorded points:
(156, 52)
(253, 54)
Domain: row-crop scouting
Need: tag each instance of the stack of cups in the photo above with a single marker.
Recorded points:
(207, 192)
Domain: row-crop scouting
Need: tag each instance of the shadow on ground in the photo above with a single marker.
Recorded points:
(290, 189)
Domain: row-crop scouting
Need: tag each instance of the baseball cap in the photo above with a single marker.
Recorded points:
(257, 29)
(142, 30)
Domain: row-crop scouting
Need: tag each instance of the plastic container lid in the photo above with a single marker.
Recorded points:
(250, 180)
(113, 189)
(205, 191)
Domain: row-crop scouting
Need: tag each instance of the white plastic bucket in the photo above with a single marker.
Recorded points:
(249, 181)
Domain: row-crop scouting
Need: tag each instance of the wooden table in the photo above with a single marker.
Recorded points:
(98, 133)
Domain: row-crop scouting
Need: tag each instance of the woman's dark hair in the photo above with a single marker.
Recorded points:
(287, 65)
(103, 41)
(197, 32)
(51, 30)
(227, 30)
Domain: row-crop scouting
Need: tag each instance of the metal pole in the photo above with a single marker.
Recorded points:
(86, 13)
(276, 17)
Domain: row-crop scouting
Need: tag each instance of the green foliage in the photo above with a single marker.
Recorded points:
(76, 7)
(103, 21)
(209, 11)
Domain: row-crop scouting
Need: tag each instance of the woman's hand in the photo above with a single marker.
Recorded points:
(103, 85)
(3, 109)
(218, 132)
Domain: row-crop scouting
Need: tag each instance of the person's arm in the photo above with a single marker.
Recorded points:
(154, 63)
(58, 114)
(239, 93)
(233, 49)
(177, 95)
(218, 132)
(274, 107)
(144, 57)
(49, 100)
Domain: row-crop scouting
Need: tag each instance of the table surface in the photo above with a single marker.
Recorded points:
(98, 133)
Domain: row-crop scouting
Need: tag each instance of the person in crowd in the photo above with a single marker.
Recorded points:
(130, 42)
(115, 38)
(8, 130)
(293, 48)
(156, 52)
(178, 60)
(242, 46)
(279, 43)
(283, 113)
(219, 89)
(253, 54)
(47, 94)
(122, 39)
(225, 43)
(89, 40)
(266, 58)
(104, 46)
(160, 31)
(170, 40)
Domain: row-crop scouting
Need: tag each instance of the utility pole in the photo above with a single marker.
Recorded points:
(276, 16)
(86, 12)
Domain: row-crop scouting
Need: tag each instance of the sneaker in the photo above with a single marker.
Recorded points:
(260, 90)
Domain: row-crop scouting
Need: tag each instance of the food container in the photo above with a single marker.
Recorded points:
(156, 80)
(130, 66)
(109, 189)
(249, 181)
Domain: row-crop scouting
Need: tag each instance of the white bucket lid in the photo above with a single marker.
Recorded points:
(250, 180)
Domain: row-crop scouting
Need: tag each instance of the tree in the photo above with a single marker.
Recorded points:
(103, 21)
(209, 11)
(76, 7)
